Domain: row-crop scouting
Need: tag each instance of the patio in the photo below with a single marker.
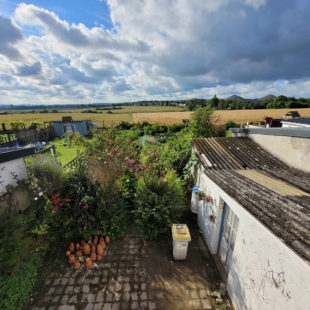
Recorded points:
(136, 274)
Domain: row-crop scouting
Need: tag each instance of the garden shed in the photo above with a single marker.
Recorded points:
(67, 124)
(254, 217)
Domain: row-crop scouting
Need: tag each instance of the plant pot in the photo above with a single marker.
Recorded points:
(200, 197)
(208, 198)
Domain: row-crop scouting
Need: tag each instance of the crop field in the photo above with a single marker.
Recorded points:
(153, 114)
(110, 119)
(219, 117)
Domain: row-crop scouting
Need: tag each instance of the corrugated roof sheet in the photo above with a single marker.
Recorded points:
(238, 166)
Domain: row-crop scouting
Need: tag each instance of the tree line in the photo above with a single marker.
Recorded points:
(224, 104)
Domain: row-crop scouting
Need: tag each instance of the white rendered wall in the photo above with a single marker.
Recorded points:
(264, 273)
(292, 150)
(8, 170)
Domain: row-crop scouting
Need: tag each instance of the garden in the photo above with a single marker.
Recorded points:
(132, 174)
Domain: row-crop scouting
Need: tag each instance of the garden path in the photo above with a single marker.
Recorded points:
(136, 274)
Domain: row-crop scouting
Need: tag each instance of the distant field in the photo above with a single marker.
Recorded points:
(155, 114)
(117, 115)
(220, 117)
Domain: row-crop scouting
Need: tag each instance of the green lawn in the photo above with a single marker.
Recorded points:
(64, 153)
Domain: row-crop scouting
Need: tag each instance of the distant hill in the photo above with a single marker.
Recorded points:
(235, 98)
(267, 98)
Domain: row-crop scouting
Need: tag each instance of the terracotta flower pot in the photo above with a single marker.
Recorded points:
(100, 249)
(107, 239)
(79, 253)
(86, 249)
(71, 247)
(76, 265)
(88, 262)
(71, 259)
(77, 246)
(99, 257)
(68, 253)
(93, 256)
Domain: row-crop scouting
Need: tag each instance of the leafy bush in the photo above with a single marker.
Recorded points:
(230, 124)
(201, 124)
(47, 174)
(21, 254)
(146, 139)
(35, 124)
(159, 203)
(17, 125)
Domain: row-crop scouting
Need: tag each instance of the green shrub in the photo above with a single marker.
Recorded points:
(201, 124)
(159, 203)
(146, 139)
(21, 256)
(230, 124)
(47, 174)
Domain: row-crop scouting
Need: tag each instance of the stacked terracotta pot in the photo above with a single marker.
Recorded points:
(87, 252)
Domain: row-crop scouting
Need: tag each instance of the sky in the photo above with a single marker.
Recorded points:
(77, 51)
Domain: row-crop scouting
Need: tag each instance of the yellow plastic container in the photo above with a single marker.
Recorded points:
(181, 237)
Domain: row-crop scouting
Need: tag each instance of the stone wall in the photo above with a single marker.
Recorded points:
(15, 200)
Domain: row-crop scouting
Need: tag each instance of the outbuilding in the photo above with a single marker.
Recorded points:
(12, 165)
(255, 221)
(67, 124)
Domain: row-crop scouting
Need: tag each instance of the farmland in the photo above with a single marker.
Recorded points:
(110, 119)
(152, 114)
(220, 116)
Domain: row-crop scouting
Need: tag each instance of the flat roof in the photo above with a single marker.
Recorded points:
(276, 194)
(12, 153)
(300, 120)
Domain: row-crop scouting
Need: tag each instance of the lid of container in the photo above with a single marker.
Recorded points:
(180, 231)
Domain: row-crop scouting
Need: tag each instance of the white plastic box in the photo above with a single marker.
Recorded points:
(181, 237)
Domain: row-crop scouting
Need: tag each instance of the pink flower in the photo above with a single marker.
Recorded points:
(80, 204)
(85, 207)
(110, 154)
(157, 151)
(111, 141)
(121, 151)
(55, 196)
(118, 154)
(153, 141)
(165, 180)
(163, 172)
(131, 161)
(55, 208)
(60, 204)
(67, 200)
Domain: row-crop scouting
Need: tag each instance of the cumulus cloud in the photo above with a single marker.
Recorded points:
(26, 70)
(161, 49)
(74, 35)
(10, 34)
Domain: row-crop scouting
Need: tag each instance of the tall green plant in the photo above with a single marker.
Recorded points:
(48, 174)
(159, 203)
(201, 123)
